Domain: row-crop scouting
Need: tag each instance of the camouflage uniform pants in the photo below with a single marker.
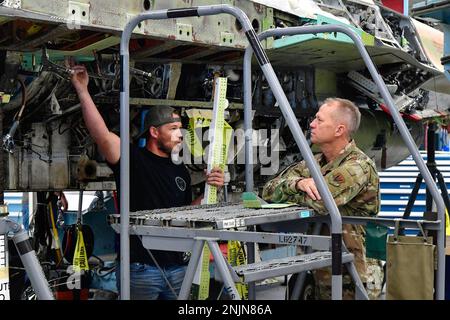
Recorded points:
(372, 282)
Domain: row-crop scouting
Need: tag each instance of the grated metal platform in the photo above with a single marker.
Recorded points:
(218, 216)
(279, 267)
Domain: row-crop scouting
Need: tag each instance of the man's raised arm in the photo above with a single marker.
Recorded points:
(107, 142)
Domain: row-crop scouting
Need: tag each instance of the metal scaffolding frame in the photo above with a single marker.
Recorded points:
(295, 129)
(274, 84)
(188, 228)
(31, 262)
(255, 46)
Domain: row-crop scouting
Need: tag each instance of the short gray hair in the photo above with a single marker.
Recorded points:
(350, 110)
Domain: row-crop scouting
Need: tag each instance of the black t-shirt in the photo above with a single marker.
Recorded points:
(155, 183)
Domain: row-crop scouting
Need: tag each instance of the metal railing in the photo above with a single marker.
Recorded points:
(255, 46)
(276, 88)
(305, 151)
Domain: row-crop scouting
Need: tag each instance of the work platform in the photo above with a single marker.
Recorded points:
(187, 228)
(216, 216)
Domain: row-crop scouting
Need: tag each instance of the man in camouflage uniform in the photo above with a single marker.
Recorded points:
(353, 181)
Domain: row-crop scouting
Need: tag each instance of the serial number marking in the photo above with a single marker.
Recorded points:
(289, 239)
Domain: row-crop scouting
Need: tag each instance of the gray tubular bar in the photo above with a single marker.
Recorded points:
(31, 264)
(336, 221)
(28, 257)
(125, 109)
(406, 136)
(224, 271)
(190, 271)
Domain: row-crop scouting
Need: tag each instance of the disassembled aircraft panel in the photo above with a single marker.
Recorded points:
(174, 62)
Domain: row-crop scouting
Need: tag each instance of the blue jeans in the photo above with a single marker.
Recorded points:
(147, 282)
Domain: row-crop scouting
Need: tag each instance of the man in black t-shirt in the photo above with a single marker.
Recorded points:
(155, 182)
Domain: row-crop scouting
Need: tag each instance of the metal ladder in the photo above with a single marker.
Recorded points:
(300, 264)
(304, 148)
(266, 67)
(289, 265)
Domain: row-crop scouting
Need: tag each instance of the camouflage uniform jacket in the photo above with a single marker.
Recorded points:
(354, 184)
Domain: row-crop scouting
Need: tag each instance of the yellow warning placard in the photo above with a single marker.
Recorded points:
(80, 260)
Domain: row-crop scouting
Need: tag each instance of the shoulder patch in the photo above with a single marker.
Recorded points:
(339, 177)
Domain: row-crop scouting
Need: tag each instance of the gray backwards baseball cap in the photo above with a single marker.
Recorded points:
(158, 116)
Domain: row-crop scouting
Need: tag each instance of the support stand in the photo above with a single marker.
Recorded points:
(28, 257)
(436, 175)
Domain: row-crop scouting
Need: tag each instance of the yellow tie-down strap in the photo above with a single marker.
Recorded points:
(199, 119)
(205, 275)
(236, 257)
(219, 136)
(447, 224)
(80, 260)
